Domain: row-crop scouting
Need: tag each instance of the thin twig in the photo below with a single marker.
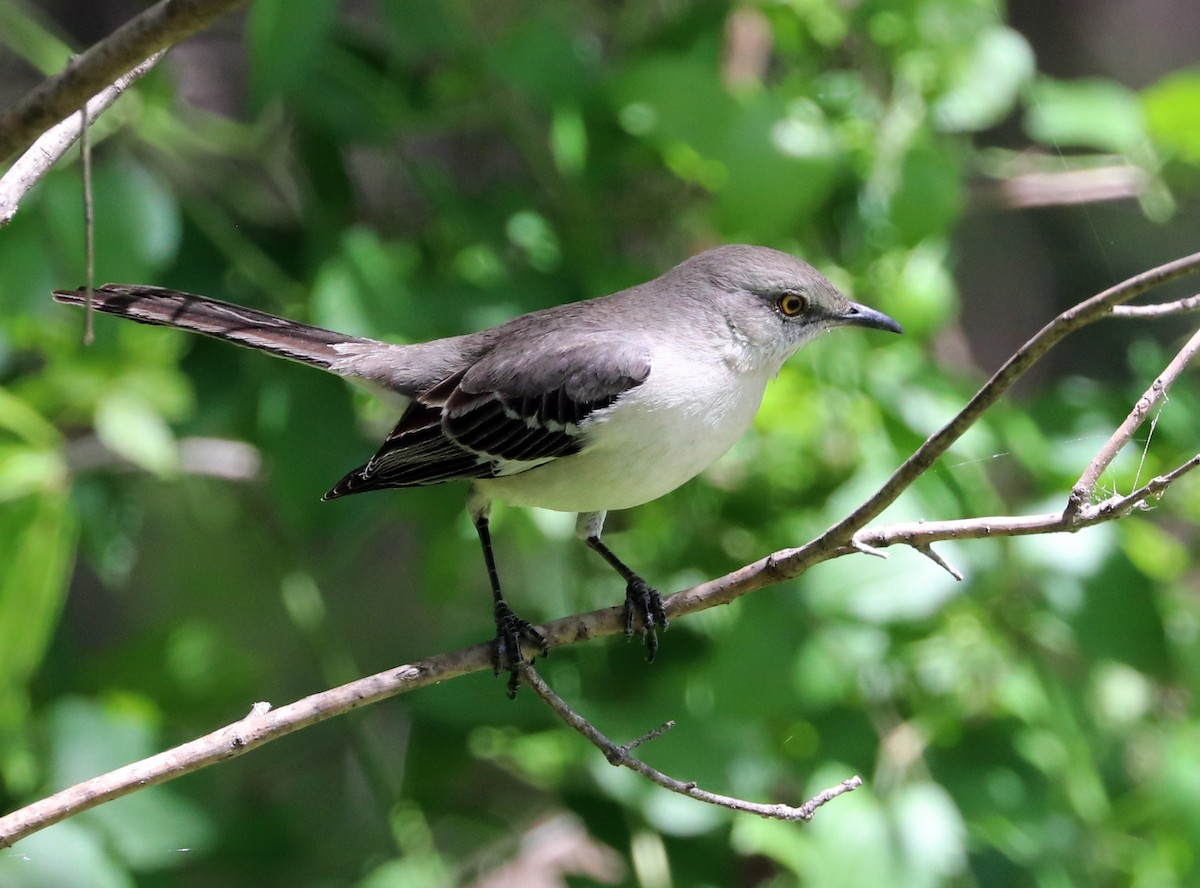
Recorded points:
(921, 534)
(862, 547)
(927, 550)
(619, 756)
(31, 166)
(1158, 309)
(649, 735)
(89, 225)
(1002, 380)
(1086, 485)
(162, 25)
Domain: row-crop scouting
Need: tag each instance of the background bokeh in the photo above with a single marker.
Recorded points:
(414, 169)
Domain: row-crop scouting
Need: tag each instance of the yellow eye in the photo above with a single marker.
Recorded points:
(791, 304)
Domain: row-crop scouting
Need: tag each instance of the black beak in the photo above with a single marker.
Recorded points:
(856, 315)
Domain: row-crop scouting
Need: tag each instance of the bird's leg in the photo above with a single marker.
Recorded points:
(640, 598)
(511, 630)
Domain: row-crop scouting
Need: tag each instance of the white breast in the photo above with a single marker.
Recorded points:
(653, 439)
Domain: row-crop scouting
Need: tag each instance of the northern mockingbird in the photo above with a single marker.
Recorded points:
(587, 407)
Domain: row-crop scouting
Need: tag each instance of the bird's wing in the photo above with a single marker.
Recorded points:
(516, 407)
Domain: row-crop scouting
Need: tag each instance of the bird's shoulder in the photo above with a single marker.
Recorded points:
(579, 350)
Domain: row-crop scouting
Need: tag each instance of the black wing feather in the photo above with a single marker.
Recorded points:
(503, 414)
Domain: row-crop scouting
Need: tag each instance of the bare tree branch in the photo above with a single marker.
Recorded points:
(619, 756)
(927, 550)
(223, 458)
(1086, 485)
(845, 537)
(1158, 310)
(53, 144)
(162, 25)
(922, 534)
(1049, 188)
(261, 725)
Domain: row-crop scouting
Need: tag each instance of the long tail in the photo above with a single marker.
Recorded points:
(233, 323)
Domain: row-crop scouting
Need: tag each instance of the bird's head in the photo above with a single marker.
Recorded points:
(775, 302)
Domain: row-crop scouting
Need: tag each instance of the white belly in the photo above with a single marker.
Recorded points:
(653, 439)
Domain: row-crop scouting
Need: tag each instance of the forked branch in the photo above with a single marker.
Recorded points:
(56, 98)
(54, 142)
(619, 756)
(1085, 487)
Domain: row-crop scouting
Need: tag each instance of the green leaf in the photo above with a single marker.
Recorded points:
(25, 470)
(362, 289)
(37, 543)
(1085, 114)
(541, 59)
(986, 87)
(24, 284)
(131, 428)
(1154, 550)
(782, 164)
(568, 140)
(531, 233)
(1173, 114)
(281, 32)
(675, 100)
(24, 35)
(138, 228)
(21, 419)
(931, 829)
(929, 195)
(916, 286)
(420, 28)
(65, 854)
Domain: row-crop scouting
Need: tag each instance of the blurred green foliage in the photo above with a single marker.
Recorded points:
(417, 169)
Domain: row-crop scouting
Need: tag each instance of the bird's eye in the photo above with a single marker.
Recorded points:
(791, 304)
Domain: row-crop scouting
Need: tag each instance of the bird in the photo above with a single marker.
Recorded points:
(586, 407)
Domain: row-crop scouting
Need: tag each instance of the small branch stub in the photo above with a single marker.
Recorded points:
(619, 756)
(941, 562)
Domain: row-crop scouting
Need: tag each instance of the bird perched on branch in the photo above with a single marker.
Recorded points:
(587, 407)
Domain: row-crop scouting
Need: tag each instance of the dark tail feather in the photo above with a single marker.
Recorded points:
(233, 323)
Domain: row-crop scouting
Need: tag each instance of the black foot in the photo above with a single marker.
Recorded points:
(511, 633)
(644, 601)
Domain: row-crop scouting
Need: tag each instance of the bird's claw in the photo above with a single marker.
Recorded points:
(644, 601)
(512, 634)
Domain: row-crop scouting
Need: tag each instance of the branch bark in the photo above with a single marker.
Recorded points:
(922, 534)
(619, 756)
(848, 536)
(29, 168)
(1082, 493)
(162, 25)
(1158, 310)
(1051, 188)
